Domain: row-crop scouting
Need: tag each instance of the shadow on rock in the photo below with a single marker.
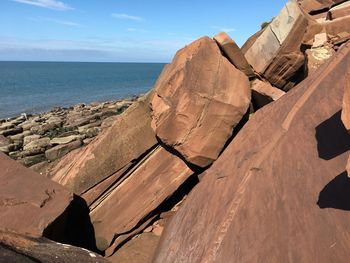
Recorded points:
(74, 226)
(336, 194)
(332, 138)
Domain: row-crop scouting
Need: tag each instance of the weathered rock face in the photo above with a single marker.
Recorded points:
(161, 174)
(32, 249)
(276, 52)
(111, 151)
(233, 53)
(279, 190)
(198, 100)
(345, 114)
(263, 93)
(29, 203)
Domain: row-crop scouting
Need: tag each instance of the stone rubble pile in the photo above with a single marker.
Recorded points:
(235, 155)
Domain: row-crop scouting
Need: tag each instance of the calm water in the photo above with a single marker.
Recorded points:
(34, 87)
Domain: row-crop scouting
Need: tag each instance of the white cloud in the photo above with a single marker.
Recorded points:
(127, 17)
(65, 23)
(51, 4)
(130, 29)
(224, 29)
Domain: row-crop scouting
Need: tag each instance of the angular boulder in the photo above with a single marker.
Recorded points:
(233, 53)
(29, 203)
(279, 192)
(198, 99)
(276, 54)
(32, 249)
(141, 191)
(263, 93)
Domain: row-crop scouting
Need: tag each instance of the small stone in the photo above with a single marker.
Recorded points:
(30, 138)
(37, 146)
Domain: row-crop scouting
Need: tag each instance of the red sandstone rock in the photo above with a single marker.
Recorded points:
(32, 249)
(29, 203)
(199, 98)
(233, 53)
(345, 114)
(263, 93)
(129, 138)
(154, 179)
(279, 192)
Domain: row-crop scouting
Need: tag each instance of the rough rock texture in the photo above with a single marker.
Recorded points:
(161, 174)
(199, 98)
(17, 248)
(29, 203)
(233, 53)
(112, 150)
(316, 57)
(345, 114)
(138, 250)
(279, 192)
(263, 93)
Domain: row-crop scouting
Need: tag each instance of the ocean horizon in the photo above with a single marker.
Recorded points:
(33, 87)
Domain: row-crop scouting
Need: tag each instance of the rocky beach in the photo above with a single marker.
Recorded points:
(237, 154)
(39, 139)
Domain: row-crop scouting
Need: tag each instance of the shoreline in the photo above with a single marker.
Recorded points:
(41, 138)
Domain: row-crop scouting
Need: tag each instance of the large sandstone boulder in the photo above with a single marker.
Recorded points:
(129, 138)
(279, 192)
(198, 100)
(29, 203)
(276, 52)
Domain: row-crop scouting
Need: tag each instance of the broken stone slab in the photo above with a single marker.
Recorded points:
(153, 181)
(82, 129)
(267, 45)
(264, 93)
(32, 249)
(139, 249)
(37, 146)
(65, 140)
(30, 138)
(12, 131)
(29, 203)
(276, 53)
(109, 152)
(6, 126)
(263, 182)
(320, 40)
(20, 136)
(62, 149)
(339, 11)
(198, 99)
(43, 128)
(317, 57)
(32, 159)
(233, 53)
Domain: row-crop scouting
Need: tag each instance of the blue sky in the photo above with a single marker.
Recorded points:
(121, 30)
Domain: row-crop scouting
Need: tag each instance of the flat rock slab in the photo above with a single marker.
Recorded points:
(233, 53)
(32, 249)
(263, 93)
(129, 138)
(279, 192)
(198, 99)
(153, 181)
(29, 202)
(138, 250)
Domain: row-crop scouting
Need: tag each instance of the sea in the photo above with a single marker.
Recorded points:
(36, 87)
